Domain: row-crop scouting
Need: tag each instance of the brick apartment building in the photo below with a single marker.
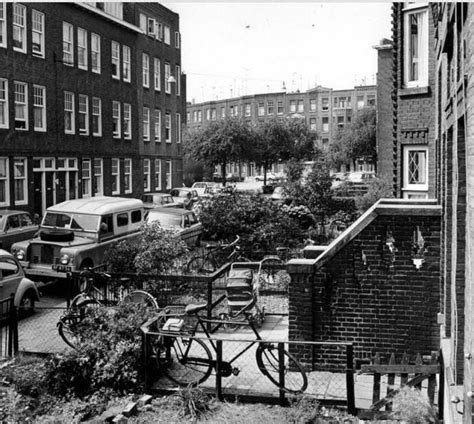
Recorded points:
(91, 101)
(324, 110)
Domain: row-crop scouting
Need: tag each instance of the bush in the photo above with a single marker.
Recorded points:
(377, 189)
(27, 374)
(120, 257)
(413, 407)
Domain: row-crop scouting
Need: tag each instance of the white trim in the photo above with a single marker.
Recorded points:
(24, 178)
(115, 176)
(5, 102)
(128, 162)
(415, 187)
(6, 178)
(3, 33)
(423, 48)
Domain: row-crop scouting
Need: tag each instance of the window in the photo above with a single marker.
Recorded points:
(415, 164)
(416, 47)
(159, 31)
(126, 63)
(116, 119)
(19, 28)
(115, 176)
(3, 103)
(213, 114)
(3, 24)
(143, 22)
(157, 74)
(360, 102)
(39, 108)
(168, 174)
(312, 105)
(127, 121)
(21, 106)
(178, 79)
(4, 187)
(146, 175)
(98, 177)
(167, 77)
(292, 106)
(114, 9)
(127, 173)
(168, 127)
(300, 106)
(325, 124)
(83, 115)
(280, 107)
(37, 33)
(20, 183)
(324, 104)
(178, 127)
(312, 124)
(151, 27)
(115, 60)
(86, 178)
(158, 174)
(82, 48)
(208, 113)
(199, 115)
(95, 53)
(68, 44)
(96, 116)
(261, 109)
(222, 113)
(370, 100)
(146, 124)
(270, 107)
(248, 109)
(167, 34)
(157, 126)
(122, 219)
(325, 140)
(145, 70)
(69, 112)
(177, 39)
(340, 122)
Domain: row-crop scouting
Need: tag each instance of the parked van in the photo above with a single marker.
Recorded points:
(74, 235)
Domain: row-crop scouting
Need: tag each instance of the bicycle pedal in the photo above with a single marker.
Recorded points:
(235, 371)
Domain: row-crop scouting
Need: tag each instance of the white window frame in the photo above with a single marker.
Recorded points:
(168, 127)
(169, 175)
(178, 127)
(422, 46)
(39, 104)
(167, 34)
(68, 44)
(157, 73)
(20, 180)
(115, 58)
(126, 62)
(127, 121)
(97, 112)
(151, 27)
(86, 178)
(147, 175)
(98, 184)
(300, 106)
(325, 125)
(21, 99)
(127, 172)
(4, 116)
(95, 53)
(312, 105)
(19, 26)
(37, 30)
(270, 107)
(280, 107)
(178, 80)
(143, 22)
(3, 24)
(69, 108)
(261, 109)
(115, 172)
(159, 31)
(292, 106)
(4, 181)
(248, 109)
(158, 174)
(145, 70)
(407, 149)
(116, 121)
(146, 123)
(167, 77)
(157, 125)
(83, 109)
(82, 49)
(177, 39)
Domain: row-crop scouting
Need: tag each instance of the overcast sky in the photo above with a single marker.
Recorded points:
(231, 49)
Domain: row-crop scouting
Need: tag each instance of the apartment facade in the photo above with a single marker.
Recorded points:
(81, 89)
(324, 110)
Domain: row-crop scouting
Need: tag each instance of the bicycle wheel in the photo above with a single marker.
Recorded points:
(295, 380)
(201, 265)
(185, 361)
(142, 297)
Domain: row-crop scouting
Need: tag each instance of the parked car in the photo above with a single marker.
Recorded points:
(13, 281)
(234, 178)
(75, 234)
(278, 195)
(206, 188)
(15, 226)
(180, 194)
(185, 222)
(271, 177)
(152, 200)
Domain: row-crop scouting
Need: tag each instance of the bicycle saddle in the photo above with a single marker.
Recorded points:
(194, 309)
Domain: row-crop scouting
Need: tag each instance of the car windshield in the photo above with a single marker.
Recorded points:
(166, 220)
(71, 221)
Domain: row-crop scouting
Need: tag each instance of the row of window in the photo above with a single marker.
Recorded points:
(66, 172)
(157, 75)
(159, 31)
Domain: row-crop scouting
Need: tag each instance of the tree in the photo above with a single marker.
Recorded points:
(357, 140)
(221, 142)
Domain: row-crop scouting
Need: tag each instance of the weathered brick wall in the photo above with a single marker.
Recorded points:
(384, 305)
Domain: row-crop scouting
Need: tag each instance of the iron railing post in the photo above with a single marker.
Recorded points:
(441, 386)
(350, 379)
(209, 304)
(281, 372)
(218, 369)
(13, 328)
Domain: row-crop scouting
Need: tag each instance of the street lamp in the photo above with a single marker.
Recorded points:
(171, 79)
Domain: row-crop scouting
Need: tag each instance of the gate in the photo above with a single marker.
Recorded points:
(8, 328)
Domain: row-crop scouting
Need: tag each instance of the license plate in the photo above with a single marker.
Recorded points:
(61, 268)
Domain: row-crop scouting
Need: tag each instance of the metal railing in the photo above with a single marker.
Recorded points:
(8, 328)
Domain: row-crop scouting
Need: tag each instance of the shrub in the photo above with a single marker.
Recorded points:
(413, 407)
(120, 257)
(377, 189)
(193, 402)
(27, 374)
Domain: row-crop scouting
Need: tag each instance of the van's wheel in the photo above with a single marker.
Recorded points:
(27, 304)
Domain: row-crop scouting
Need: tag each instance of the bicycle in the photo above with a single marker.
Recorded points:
(188, 361)
(91, 296)
(216, 256)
